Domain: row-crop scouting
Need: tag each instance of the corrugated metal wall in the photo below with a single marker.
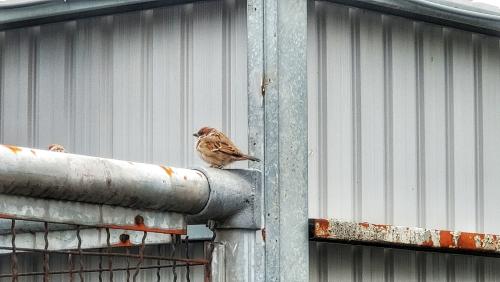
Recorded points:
(404, 121)
(404, 129)
(131, 86)
(333, 262)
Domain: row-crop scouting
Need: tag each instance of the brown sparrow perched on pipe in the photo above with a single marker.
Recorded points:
(216, 149)
(56, 148)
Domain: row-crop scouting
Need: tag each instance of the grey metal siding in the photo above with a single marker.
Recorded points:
(403, 121)
(403, 129)
(130, 86)
(334, 262)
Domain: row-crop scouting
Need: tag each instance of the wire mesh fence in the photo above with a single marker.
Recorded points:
(120, 259)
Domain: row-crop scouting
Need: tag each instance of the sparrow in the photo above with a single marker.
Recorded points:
(217, 149)
(56, 148)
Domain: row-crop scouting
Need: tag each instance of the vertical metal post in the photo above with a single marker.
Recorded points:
(285, 161)
(255, 78)
(236, 256)
(255, 240)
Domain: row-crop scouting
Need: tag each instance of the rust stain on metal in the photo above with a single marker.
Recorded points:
(446, 239)
(322, 227)
(7, 216)
(168, 170)
(185, 177)
(122, 244)
(428, 243)
(404, 236)
(33, 152)
(124, 241)
(466, 240)
(364, 224)
(13, 148)
(263, 234)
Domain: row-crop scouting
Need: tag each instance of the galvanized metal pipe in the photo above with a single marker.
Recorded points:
(61, 176)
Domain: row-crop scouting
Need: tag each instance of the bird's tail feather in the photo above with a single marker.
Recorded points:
(251, 158)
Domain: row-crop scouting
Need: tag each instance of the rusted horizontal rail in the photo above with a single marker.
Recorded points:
(404, 237)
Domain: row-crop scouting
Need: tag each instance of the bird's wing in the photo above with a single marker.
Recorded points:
(217, 141)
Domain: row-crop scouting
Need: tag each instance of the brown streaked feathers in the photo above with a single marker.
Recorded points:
(217, 149)
(57, 148)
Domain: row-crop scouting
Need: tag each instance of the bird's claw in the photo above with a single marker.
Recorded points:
(217, 166)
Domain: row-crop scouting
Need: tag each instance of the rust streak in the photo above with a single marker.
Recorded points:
(446, 239)
(13, 148)
(322, 227)
(123, 244)
(168, 170)
(7, 216)
(466, 240)
(364, 224)
(428, 243)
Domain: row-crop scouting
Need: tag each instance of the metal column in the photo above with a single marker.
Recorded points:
(285, 110)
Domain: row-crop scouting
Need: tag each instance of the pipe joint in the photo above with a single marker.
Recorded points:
(235, 199)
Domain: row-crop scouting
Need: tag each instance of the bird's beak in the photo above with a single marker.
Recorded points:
(196, 135)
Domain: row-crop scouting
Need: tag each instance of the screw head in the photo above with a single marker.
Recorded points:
(124, 237)
(139, 220)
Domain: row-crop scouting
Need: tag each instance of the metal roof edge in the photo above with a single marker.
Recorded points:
(50, 12)
(43, 13)
(423, 11)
